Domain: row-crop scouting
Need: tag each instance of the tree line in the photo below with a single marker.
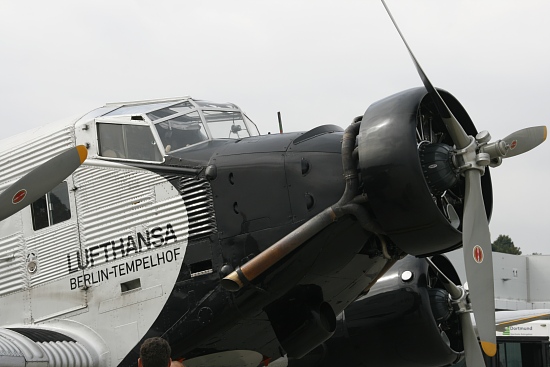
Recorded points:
(504, 244)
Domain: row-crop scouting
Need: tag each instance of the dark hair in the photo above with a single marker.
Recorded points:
(155, 352)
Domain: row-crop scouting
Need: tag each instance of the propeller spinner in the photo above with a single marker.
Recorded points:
(472, 155)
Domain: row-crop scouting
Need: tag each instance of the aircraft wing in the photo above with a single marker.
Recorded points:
(509, 318)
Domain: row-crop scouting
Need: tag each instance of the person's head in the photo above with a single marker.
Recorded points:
(177, 364)
(154, 352)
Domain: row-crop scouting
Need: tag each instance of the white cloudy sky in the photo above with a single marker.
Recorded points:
(318, 62)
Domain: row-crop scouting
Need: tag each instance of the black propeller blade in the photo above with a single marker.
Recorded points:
(456, 131)
(40, 180)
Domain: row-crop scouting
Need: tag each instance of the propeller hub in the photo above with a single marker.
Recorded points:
(437, 166)
(468, 158)
(483, 159)
(440, 305)
(497, 149)
(461, 304)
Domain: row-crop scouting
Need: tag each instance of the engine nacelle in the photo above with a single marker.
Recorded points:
(406, 320)
(405, 160)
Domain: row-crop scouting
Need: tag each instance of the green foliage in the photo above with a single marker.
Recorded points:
(505, 244)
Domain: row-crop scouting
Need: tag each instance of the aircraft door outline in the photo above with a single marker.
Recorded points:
(48, 246)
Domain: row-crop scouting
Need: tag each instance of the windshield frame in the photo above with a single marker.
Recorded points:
(147, 113)
(200, 107)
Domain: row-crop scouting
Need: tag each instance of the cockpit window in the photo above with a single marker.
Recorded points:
(181, 131)
(183, 107)
(126, 132)
(138, 109)
(226, 124)
(212, 105)
(127, 142)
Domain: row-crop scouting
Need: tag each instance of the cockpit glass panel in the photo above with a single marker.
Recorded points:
(181, 131)
(127, 142)
(212, 105)
(111, 140)
(139, 109)
(183, 107)
(226, 124)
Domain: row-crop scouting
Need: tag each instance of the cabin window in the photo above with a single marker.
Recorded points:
(52, 208)
(127, 142)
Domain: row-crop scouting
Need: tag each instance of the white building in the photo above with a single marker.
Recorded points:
(521, 282)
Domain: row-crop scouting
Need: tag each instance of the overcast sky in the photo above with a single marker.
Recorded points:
(318, 62)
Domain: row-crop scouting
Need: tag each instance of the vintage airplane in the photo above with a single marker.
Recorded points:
(175, 218)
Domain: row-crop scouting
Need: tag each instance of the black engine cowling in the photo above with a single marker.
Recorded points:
(406, 320)
(407, 173)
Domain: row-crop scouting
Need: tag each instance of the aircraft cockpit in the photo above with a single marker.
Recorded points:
(148, 131)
